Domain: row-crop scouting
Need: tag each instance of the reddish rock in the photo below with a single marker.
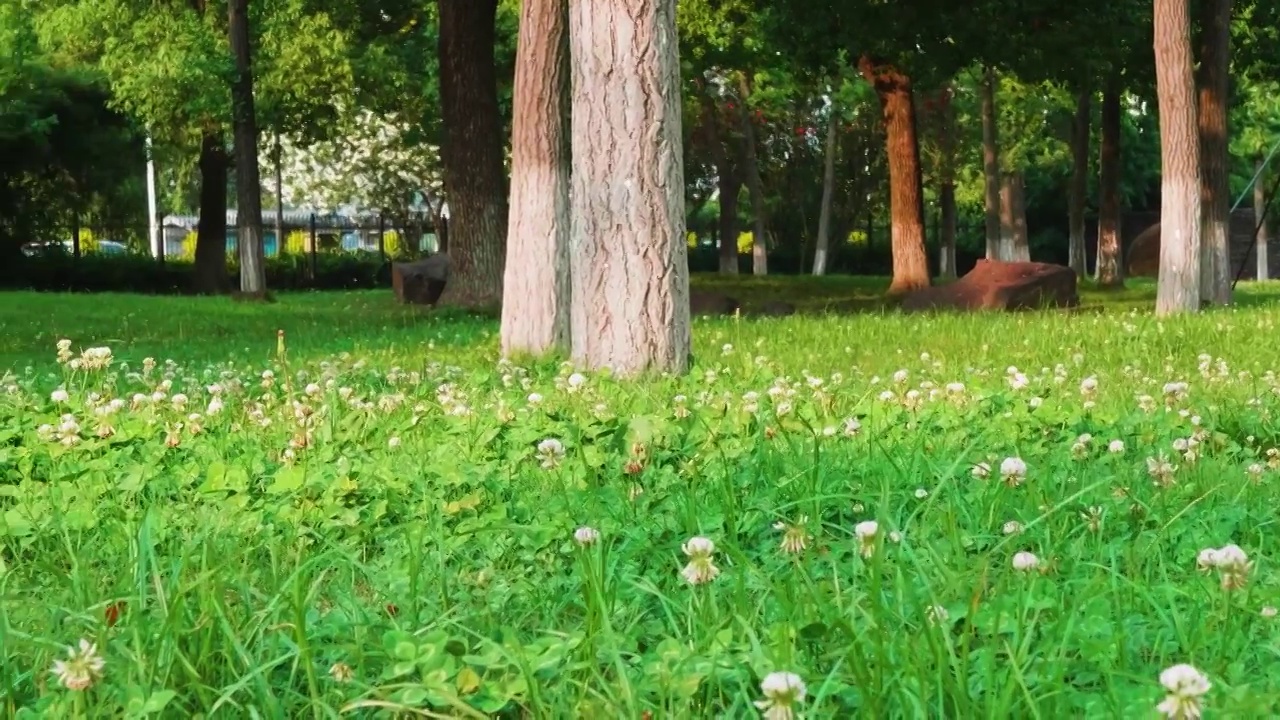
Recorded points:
(1144, 253)
(420, 282)
(702, 302)
(995, 285)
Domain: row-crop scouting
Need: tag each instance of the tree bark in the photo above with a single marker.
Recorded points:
(755, 187)
(1109, 261)
(1213, 82)
(1178, 289)
(536, 291)
(947, 191)
(991, 165)
(1080, 127)
(906, 203)
(729, 181)
(828, 194)
(253, 278)
(472, 154)
(1013, 218)
(211, 230)
(630, 258)
(1259, 218)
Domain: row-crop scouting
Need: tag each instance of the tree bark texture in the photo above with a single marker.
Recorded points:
(1259, 216)
(1213, 86)
(536, 290)
(991, 165)
(755, 187)
(253, 278)
(630, 259)
(823, 245)
(211, 230)
(906, 204)
(472, 154)
(947, 190)
(1178, 289)
(1076, 202)
(1013, 218)
(729, 181)
(1109, 261)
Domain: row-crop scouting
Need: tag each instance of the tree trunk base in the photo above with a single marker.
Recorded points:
(264, 296)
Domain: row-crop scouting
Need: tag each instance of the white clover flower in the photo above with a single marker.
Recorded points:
(794, 536)
(1024, 561)
(1116, 447)
(921, 493)
(852, 427)
(936, 615)
(1013, 471)
(700, 569)
(576, 381)
(341, 672)
(60, 396)
(1268, 611)
(585, 536)
(1186, 686)
(981, 471)
(1012, 527)
(867, 532)
(1035, 402)
(393, 442)
(781, 691)
(551, 452)
(1088, 386)
(82, 668)
(534, 399)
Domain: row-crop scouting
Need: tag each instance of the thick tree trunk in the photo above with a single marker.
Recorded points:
(1110, 262)
(755, 187)
(1080, 127)
(1013, 218)
(729, 181)
(472, 154)
(253, 278)
(906, 203)
(1259, 216)
(630, 258)
(991, 165)
(1213, 86)
(211, 232)
(828, 194)
(1178, 289)
(536, 292)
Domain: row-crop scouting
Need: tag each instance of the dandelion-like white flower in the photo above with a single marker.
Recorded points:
(585, 536)
(1186, 686)
(867, 532)
(1013, 470)
(1024, 561)
(782, 690)
(700, 569)
(551, 452)
(82, 668)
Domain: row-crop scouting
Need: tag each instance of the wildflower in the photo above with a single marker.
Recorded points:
(1013, 470)
(1088, 386)
(60, 396)
(82, 667)
(551, 452)
(1024, 561)
(867, 531)
(981, 471)
(1186, 685)
(1035, 402)
(1093, 518)
(895, 537)
(1234, 565)
(936, 615)
(576, 381)
(585, 536)
(1115, 447)
(1012, 527)
(700, 568)
(1269, 611)
(781, 691)
(312, 389)
(534, 399)
(1161, 471)
(341, 672)
(794, 537)
(393, 442)
(64, 351)
(179, 401)
(852, 427)
(1255, 471)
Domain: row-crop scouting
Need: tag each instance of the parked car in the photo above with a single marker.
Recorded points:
(103, 247)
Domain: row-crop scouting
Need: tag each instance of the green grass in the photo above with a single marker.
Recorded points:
(397, 519)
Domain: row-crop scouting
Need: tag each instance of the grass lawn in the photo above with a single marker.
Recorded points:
(917, 516)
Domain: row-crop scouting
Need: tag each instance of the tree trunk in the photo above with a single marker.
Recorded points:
(253, 278)
(759, 233)
(536, 299)
(1213, 82)
(630, 258)
(947, 191)
(472, 154)
(1178, 289)
(1080, 127)
(906, 204)
(1259, 218)
(991, 165)
(729, 181)
(1109, 261)
(280, 237)
(828, 193)
(1013, 218)
(211, 231)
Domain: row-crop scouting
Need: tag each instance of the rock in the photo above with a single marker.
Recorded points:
(702, 302)
(995, 285)
(1144, 253)
(420, 282)
(777, 308)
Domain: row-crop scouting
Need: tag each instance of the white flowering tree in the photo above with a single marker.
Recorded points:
(371, 163)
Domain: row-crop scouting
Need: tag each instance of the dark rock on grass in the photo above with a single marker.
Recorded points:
(702, 302)
(996, 285)
(420, 282)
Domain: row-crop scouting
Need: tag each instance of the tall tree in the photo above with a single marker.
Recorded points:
(991, 166)
(1077, 200)
(1109, 261)
(728, 181)
(1178, 289)
(630, 266)
(1213, 85)
(755, 186)
(253, 274)
(947, 131)
(1263, 270)
(822, 247)
(211, 230)
(536, 287)
(472, 153)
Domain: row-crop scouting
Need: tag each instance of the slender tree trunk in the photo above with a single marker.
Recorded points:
(279, 173)
(630, 259)
(730, 184)
(211, 232)
(1019, 241)
(472, 154)
(1080, 127)
(536, 290)
(253, 278)
(1213, 85)
(947, 191)
(828, 194)
(759, 232)
(1259, 216)
(991, 165)
(906, 205)
(1109, 261)
(1178, 289)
